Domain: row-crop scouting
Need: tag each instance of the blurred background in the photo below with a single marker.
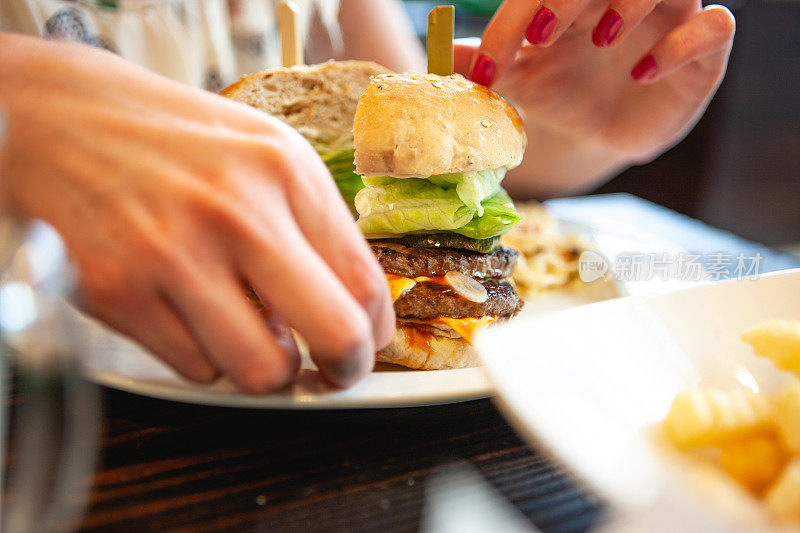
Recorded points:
(739, 169)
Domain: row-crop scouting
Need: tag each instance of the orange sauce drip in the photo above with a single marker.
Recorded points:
(418, 338)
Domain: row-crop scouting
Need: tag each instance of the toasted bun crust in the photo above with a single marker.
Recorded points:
(444, 353)
(319, 101)
(418, 125)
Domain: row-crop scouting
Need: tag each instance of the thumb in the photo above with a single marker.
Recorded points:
(463, 55)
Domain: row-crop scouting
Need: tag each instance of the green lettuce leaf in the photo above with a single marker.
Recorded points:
(378, 181)
(472, 188)
(410, 205)
(389, 206)
(499, 216)
(341, 166)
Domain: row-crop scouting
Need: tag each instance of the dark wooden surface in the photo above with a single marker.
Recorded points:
(182, 467)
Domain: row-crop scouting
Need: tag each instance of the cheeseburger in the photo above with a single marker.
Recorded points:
(432, 152)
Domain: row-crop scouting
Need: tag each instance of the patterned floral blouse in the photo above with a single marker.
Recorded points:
(203, 43)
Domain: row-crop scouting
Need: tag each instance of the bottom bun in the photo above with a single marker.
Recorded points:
(421, 350)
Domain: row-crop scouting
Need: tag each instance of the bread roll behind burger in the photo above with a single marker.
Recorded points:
(319, 101)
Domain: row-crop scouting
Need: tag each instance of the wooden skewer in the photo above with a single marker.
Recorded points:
(291, 42)
(440, 40)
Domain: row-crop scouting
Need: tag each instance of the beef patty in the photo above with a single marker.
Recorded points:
(414, 261)
(430, 300)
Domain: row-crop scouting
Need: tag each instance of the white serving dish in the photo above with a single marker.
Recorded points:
(589, 385)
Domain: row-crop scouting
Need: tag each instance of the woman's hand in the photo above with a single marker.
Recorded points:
(171, 200)
(601, 85)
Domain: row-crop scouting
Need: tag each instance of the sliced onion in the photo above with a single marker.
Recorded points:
(466, 287)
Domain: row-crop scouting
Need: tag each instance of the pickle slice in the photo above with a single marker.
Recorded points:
(451, 240)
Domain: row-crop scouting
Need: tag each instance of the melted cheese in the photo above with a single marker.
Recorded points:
(466, 327)
(398, 285)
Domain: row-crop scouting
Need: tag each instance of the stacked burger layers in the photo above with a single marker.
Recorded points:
(432, 151)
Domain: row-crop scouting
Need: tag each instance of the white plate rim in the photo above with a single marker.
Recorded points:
(327, 401)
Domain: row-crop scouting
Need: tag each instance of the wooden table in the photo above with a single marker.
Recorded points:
(171, 466)
(188, 468)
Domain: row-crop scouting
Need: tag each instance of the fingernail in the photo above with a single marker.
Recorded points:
(644, 69)
(484, 69)
(542, 25)
(352, 368)
(607, 29)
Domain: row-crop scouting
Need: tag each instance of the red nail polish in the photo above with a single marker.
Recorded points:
(607, 29)
(542, 25)
(644, 69)
(484, 69)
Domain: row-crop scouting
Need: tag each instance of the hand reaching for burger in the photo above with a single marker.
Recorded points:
(601, 85)
(171, 200)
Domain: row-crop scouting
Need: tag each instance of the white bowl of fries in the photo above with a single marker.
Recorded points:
(593, 386)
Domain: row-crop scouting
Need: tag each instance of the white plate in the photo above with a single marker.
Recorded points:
(127, 367)
(590, 384)
(116, 363)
